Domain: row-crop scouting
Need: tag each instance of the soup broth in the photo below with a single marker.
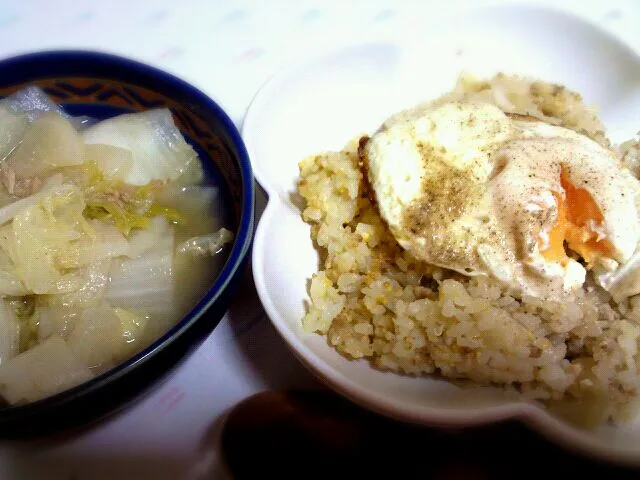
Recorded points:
(110, 233)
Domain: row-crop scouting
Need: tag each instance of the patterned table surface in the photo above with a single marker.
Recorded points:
(228, 48)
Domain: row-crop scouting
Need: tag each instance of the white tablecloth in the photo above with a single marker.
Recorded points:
(228, 49)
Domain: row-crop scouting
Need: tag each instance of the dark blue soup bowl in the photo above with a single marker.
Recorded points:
(101, 85)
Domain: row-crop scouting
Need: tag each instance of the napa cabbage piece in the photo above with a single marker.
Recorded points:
(113, 162)
(133, 329)
(159, 150)
(10, 284)
(59, 314)
(50, 142)
(141, 241)
(129, 207)
(12, 128)
(100, 241)
(36, 137)
(189, 198)
(52, 185)
(103, 336)
(91, 291)
(126, 206)
(98, 338)
(192, 201)
(23, 307)
(55, 319)
(31, 102)
(48, 244)
(44, 370)
(5, 197)
(23, 310)
(146, 284)
(39, 240)
(210, 244)
(19, 110)
(9, 334)
(193, 174)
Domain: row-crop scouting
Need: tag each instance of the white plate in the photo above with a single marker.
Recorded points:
(322, 102)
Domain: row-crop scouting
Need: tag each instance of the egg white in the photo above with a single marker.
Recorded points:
(497, 173)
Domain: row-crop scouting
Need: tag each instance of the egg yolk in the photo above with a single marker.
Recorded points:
(577, 211)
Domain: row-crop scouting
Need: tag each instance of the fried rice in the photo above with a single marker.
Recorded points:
(372, 300)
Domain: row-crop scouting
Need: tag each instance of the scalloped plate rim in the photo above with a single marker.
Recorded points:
(536, 417)
(529, 413)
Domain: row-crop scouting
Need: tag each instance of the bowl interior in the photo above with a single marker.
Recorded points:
(100, 86)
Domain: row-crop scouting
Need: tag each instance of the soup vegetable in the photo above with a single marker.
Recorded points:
(109, 235)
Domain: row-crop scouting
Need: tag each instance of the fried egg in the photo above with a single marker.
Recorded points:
(469, 188)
